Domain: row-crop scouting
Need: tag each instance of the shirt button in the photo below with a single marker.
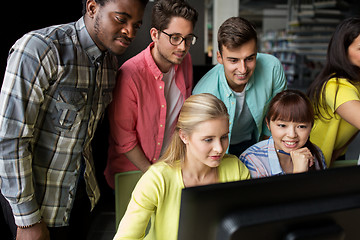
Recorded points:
(154, 159)
(162, 106)
(161, 125)
(159, 144)
(160, 87)
(232, 103)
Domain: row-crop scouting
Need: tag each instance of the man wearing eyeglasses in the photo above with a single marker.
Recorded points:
(150, 91)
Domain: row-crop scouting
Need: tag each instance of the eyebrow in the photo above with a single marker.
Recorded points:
(123, 13)
(126, 14)
(233, 58)
(215, 136)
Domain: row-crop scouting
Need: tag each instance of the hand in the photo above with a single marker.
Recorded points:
(37, 232)
(302, 159)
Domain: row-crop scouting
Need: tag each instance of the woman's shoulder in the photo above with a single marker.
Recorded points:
(343, 89)
(232, 169)
(162, 168)
(341, 82)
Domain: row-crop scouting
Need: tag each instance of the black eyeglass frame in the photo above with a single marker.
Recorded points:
(193, 41)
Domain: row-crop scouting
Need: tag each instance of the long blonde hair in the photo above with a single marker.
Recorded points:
(196, 109)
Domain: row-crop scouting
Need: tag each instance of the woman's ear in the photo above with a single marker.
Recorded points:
(183, 136)
(268, 124)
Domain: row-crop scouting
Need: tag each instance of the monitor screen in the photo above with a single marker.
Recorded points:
(313, 205)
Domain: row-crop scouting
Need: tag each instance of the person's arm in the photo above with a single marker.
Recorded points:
(25, 79)
(138, 158)
(350, 112)
(279, 84)
(142, 205)
(342, 97)
(39, 231)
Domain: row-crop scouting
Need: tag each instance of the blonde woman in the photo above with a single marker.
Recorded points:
(195, 156)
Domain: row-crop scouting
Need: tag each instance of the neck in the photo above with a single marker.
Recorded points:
(160, 61)
(91, 30)
(198, 174)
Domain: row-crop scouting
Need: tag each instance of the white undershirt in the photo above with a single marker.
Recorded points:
(244, 123)
(174, 102)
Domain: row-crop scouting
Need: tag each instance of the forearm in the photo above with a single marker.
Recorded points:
(138, 158)
(17, 187)
(38, 231)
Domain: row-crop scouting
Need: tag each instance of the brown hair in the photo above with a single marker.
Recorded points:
(291, 105)
(164, 10)
(234, 32)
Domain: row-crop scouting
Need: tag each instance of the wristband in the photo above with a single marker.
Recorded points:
(29, 226)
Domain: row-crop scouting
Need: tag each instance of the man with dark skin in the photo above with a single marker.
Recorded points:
(57, 84)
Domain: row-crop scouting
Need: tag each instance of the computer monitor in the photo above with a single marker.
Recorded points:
(313, 205)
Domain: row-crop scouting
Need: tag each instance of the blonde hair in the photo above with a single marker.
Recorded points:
(196, 109)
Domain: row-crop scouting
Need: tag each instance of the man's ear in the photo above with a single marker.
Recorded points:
(154, 34)
(219, 57)
(91, 8)
(183, 136)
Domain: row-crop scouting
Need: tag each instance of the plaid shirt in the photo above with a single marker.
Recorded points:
(56, 87)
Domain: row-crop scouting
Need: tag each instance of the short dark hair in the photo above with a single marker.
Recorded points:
(164, 10)
(103, 2)
(234, 32)
(290, 105)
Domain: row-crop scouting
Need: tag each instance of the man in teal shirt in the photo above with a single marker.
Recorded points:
(245, 81)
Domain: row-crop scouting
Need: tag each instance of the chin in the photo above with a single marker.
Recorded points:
(117, 51)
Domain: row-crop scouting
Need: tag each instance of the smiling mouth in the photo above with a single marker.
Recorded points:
(241, 76)
(290, 144)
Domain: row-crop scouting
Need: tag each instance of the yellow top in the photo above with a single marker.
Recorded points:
(334, 133)
(157, 195)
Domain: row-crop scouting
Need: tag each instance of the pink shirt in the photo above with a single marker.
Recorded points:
(137, 114)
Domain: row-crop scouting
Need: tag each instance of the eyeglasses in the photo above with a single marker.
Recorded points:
(176, 39)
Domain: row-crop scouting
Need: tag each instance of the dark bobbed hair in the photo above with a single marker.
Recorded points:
(337, 64)
(234, 32)
(103, 2)
(291, 105)
(294, 106)
(164, 10)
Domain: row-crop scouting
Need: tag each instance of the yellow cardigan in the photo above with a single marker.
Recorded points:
(157, 195)
(330, 135)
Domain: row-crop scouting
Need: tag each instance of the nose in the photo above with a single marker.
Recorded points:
(218, 147)
(292, 132)
(242, 66)
(182, 46)
(129, 31)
